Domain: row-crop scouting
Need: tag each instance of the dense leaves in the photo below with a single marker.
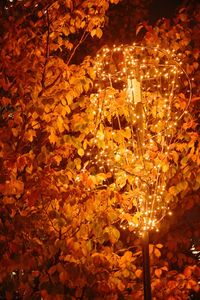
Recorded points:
(60, 234)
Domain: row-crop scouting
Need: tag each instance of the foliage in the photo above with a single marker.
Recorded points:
(60, 236)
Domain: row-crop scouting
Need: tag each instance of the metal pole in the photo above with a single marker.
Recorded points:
(135, 92)
(146, 266)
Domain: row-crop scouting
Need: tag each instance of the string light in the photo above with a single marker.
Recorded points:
(124, 75)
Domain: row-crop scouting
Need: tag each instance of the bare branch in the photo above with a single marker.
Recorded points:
(83, 37)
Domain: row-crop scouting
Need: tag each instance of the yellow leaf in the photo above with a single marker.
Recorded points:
(63, 101)
(85, 144)
(173, 191)
(69, 98)
(91, 73)
(80, 152)
(99, 33)
(93, 32)
(157, 252)
(128, 255)
(82, 24)
(113, 233)
(165, 167)
(58, 159)
(52, 137)
(30, 135)
(77, 162)
(8, 200)
(126, 273)
(67, 108)
(60, 124)
(34, 115)
(151, 246)
(182, 186)
(69, 175)
(159, 246)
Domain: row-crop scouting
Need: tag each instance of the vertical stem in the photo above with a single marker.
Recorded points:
(140, 135)
(146, 266)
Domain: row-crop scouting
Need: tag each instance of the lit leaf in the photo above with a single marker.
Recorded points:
(151, 247)
(158, 272)
(93, 33)
(30, 134)
(99, 33)
(77, 162)
(157, 252)
(8, 200)
(159, 246)
(80, 152)
(113, 233)
(52, 137)
(138, 273)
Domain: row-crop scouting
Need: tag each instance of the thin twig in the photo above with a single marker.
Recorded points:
(83, 37)
(46, 54)
(195, 99)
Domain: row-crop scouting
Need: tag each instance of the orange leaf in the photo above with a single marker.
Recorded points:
(157, 252)
(138, 273)
(63, 277)
(52, 270)
(151, 248)
(80, 152)
(159, 246)
(158, 272)
(172, 284)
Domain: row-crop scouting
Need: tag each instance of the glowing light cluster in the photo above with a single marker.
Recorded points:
(136, 117)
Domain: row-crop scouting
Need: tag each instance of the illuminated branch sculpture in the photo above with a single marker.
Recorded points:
(137, 113)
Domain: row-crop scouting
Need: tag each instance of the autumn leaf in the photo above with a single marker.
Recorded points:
(159, 246)
(158, 272)
(30, 134)
(98, 33)
(113, 234)
(151, 248)
(172, 284)
(8, 200)
(52, 137)
(63, 276)
(157, 252)
(138, 273)
(80, 152)
(52, 270)
(77, 162)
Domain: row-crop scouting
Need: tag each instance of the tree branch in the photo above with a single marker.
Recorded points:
(83, 37)
(195, 99)
(46, 55)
